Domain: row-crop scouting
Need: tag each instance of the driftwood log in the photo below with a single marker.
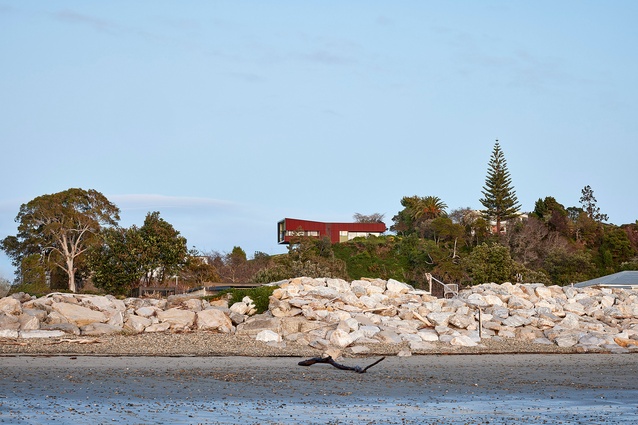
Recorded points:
(331, 361)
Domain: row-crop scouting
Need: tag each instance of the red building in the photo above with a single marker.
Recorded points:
(289, 228)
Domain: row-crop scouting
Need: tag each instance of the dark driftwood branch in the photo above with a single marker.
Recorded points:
(331, 361)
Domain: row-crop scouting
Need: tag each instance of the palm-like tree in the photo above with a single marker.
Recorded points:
(429, 207)
(417, 210)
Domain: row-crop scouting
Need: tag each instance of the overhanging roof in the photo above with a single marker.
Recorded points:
(626, 279)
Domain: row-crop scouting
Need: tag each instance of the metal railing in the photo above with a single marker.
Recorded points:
(450, 290)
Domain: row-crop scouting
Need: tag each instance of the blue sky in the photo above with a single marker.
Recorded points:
(227, 116)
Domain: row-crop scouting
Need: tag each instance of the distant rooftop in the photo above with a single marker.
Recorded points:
(626, 279)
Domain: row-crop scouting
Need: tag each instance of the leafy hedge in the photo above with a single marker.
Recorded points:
(260, 296)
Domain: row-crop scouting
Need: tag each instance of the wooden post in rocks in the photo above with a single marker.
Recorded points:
(480, 320)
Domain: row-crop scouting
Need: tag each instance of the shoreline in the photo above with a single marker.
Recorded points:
(395, 377)
(208, 344)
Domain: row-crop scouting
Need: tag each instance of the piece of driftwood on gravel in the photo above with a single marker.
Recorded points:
(10, 342)
(331, 361)
(76, 341)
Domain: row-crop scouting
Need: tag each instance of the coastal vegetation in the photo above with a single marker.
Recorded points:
(259, 295)
(71, 240)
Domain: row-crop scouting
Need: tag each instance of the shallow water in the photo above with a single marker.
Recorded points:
(622, 409)
(430, 390)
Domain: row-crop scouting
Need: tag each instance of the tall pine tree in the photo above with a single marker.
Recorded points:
(499, 196)
(588, 201)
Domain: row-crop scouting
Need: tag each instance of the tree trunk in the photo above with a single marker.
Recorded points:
(71, 272)
(454, 251)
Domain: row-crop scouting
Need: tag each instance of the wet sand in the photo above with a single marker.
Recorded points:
(437, 389)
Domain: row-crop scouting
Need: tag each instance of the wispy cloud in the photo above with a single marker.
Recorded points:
(512, 65)
(113, 27)
(109, 26)
(327, 57)
(182, 24)
(247, 77)
(384, 21)
(97, 24)
(156, 202)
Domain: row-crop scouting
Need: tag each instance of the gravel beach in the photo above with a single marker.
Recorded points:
(216, 344)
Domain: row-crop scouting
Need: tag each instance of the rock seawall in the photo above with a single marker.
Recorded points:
(336, 316)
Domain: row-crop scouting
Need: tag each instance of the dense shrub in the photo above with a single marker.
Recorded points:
(491, 263)
(260, 296)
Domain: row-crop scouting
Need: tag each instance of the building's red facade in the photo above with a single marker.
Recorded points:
(289, 228)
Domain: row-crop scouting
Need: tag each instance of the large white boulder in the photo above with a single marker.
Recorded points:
(396, 287)
(79, 315)
(10, 305)
(339, 285)
(95, 329)
(158, 327)
(9, 333)
(101, 303)
(439, 319)
(268, 336)
(41, 334)
(341, 338)
(137, 323)
(463, 341)
(214, 320)
(178, 319)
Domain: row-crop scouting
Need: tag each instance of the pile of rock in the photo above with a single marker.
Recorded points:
(22, 316)
(335, 314)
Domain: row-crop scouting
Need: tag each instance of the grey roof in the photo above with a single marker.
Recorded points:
(625, 279)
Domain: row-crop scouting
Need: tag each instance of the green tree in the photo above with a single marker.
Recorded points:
(632, 234)
(499, 199)
(588, 201)
(615, 249)
(429, 207)
(566, 266)
(490, 263)
(446, 234)
(416, 213)
(573, 213)
(587, 231)
(61, 227)
(165, 251)
(236, 263)
(554, 214)
(475, 225)
(118, 263)
(33, 273)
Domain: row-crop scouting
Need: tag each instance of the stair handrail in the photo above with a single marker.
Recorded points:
(447, 288)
